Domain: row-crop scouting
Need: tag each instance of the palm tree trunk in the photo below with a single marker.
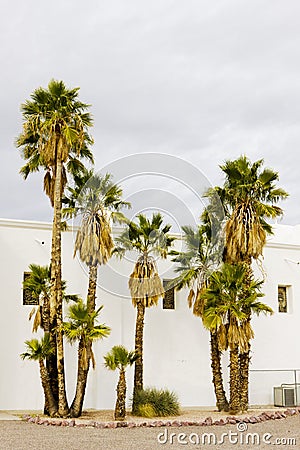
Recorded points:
(49, 398)
(82, 373)
(83, 367)
(234, 405)
(222, 402)
(244, 361)
(56, 286)
(50, 361)
(91, 297)
(244, 358)
(138, 368)
(120, 411)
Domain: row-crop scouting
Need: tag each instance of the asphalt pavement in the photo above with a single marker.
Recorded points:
(20, 435)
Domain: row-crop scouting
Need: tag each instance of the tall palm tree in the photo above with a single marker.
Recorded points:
(39, 351)
(81, 327)
(195, 265)
(148, 238)
(54, 137)
(98, 201)
(229, 299)
(250, 198)
(119, 358)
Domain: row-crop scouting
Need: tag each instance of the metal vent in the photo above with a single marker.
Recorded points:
(289, 396)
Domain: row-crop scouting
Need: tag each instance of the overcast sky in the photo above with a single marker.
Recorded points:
(200, 80)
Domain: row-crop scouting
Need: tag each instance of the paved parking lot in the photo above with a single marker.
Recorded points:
(19, 435)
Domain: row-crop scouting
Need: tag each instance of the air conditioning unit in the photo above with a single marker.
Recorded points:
(287, 395)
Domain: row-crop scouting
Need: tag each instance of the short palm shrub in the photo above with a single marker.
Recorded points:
(153, 402)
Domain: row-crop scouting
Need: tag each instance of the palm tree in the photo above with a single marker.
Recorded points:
(81, 327)
(98, 201)
(39, 351)
(229, 300)
(38, 284)
(148, 238)
(195, 265)
(119, 358)
(250, 197)
(55, 135)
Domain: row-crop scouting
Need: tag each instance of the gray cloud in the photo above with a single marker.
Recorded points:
(202, 80)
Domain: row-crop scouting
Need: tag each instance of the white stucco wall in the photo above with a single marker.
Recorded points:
(176, 345)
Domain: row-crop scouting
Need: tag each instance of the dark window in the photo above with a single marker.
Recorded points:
(27, 296)
(169, 297)
(282, 299)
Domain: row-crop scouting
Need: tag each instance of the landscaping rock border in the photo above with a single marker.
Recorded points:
(229, 420)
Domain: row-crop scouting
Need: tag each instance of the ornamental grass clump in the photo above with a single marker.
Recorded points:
(153, 402)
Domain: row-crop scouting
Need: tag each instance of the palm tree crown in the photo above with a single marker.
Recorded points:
(38, 349)
(98, 201)
(119, 358)
(250, 197)
(55, 127)
(148, 237)
(81, 323)
(229, 301)
(195, 264)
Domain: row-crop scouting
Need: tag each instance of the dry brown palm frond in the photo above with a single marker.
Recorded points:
(47, 150)
(144, 283)
(243, 343)
(65, 148)
(84, 358)
(47, 183)
(248, 330)
(32, 312)
(199, 303)
(64, 179)
(37, 320)
(78, 241)
(94, 240)
(233, 334)
(93, 359)
(222, 337)
(245, 235)
(191, 297)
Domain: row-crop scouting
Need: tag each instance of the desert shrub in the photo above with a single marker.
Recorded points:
(146, 410)
(163, 402)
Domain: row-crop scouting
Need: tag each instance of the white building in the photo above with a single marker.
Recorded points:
(176, 344)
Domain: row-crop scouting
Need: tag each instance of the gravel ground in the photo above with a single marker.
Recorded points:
(19, 435)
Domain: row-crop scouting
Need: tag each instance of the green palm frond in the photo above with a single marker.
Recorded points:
(146, 236)
(230, 300)
(119, 358)
(38, 349)
(81, 324)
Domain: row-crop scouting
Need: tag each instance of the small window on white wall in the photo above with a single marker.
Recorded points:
(283, 294)
(27, 294)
